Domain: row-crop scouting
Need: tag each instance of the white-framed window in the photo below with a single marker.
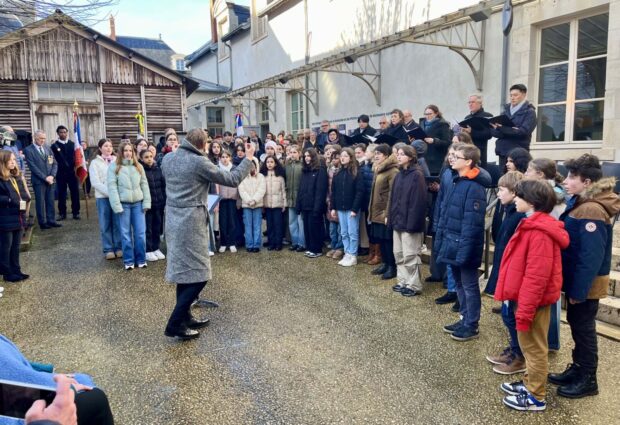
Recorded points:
(257, 24)
(215, 120)
(222, 49)
(67, 91)
(263, 110)
(297, 111)
(180, 64)
(571, 81)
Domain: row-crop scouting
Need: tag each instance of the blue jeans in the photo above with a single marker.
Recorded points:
(252, 220)
(468, 293)
(450, 279)
(508, 316)
(334, 235)
(349, 231)
(109, 226)
(296, 227)
(133, 233)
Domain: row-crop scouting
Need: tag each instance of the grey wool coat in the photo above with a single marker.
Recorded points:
(189, 173)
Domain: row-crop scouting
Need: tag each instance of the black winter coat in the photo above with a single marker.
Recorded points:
(157, 185)
(312, 193)
(436, 152)
(408, 201)
(368, 176)
(11, 218)
(480, 136)
(509, 138)
(368, 131)
(501, 237)
(399, 132)
(65, 157)
(347, 191)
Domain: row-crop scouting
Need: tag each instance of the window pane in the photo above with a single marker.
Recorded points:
(593, 36)
(589, 121)
(294, 102)
(551, 123)
(554, 44)
(553, 83)
(591, 78)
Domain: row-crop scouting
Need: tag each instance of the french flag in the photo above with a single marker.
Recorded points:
(81, 171)
(239, 125)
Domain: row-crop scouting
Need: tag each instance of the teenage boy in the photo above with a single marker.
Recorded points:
(531, 276)
(586, 265)
(460, 234)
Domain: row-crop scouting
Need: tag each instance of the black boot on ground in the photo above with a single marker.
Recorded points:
(380, 270)
(447, 298)
(567, 377)
(390, 273)
(456, 307)
(584, 385)
(182, 334)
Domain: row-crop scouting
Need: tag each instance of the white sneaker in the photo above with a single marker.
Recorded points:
(351, 260)
(128, 266)
(160, 255)
(1, 291)
(142, 266)
(233, 249)
(222, 248)
(211, 253)
(423, 249)
(344, 260)
(150, 256)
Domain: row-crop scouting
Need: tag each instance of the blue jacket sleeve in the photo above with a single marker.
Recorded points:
(591, 256)
(524, 130)
(472, 226)
(359, 193)
(34, 168)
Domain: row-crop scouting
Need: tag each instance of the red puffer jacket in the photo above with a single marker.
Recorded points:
(531, 268)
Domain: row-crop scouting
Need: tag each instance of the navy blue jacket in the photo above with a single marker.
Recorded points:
(460, 231)
(11, 218)
(40, 167)
(509, 138)
(157, 185)
(367, 176)
(347, 191)
(506, 228)
(312, 193)
(65, 157)
(587, 260)
(407, 211)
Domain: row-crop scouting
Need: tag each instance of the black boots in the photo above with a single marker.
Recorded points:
(575, 382)
(380, 270)
(447, 298)
(566, 377)
(390, 273)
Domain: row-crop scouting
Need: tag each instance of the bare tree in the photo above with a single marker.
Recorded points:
(88, 12)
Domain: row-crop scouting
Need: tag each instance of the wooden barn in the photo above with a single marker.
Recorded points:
(49, 64)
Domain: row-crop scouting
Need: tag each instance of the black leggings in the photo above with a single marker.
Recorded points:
(93, 408)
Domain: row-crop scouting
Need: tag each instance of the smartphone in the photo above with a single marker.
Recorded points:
(17, 397)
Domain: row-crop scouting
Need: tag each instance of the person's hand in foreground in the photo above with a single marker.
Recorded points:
(62, 410)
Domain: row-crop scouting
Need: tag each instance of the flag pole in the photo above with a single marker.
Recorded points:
(75, 109)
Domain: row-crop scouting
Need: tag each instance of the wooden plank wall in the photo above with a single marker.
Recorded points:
(15, 105)
(163, 109)
(121, 104)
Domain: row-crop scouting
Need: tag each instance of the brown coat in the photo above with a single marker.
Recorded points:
(385, 173)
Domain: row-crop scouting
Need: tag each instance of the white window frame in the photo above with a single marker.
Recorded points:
(43, 86)
(300, 111)
(258, 25)
(263, 108)
(214, 123)
(570, 102)
(222, 49)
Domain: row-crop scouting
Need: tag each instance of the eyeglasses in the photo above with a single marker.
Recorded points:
(382, 122)
(428, 113)
(454, 156)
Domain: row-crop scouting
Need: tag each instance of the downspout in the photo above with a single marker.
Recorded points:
(228, 44)
(307, 61)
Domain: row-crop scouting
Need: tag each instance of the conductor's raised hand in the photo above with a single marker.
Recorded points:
(250, 148)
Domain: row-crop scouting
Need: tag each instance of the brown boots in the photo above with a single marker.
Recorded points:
(374, 254)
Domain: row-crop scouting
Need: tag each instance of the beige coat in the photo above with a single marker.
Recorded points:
(252, 189)
(275, 194)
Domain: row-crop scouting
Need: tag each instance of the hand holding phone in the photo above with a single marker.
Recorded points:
(61, 410)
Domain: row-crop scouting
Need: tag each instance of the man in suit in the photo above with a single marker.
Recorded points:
(64, 152)
(408, 122)
(480, 136)
(43, 167)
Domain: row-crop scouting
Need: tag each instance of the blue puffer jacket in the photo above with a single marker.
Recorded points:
(509, 138)
(587, 260)
(460, 231)
(367, 176)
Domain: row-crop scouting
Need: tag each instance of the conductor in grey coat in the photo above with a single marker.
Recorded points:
(189, 173)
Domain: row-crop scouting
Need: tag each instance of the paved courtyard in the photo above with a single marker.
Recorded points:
(295, 341)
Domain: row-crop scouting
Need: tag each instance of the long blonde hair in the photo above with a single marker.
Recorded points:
(5, 172)
(134, 158)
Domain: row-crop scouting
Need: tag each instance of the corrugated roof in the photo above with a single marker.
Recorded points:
(142, 43)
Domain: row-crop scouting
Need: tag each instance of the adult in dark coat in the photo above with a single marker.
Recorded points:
(321, 138)
(155, 216)
(43, 168)
(523, 116)
(64, 152)
(438, 138)
(13, 198)
(311, 201)
(479, 135)
(395, 129)
(364, 128)
(189, 174)
(408, 122)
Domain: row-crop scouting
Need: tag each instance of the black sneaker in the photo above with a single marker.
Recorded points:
(301, 249)
(465, 333)
(313, 255)
(451, 328)
(408, 292)
(432, 279)
(456, 307)
(447, 298)
(398, 287)
(293, 247)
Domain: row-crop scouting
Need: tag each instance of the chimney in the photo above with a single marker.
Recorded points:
(112, 28)
(213, 23)
(159, 36)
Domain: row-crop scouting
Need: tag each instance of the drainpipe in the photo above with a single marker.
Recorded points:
(307, 61)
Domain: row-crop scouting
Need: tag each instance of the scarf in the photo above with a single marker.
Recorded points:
(225, 167)
(515, 109)
(108, 159)
(429, 123)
